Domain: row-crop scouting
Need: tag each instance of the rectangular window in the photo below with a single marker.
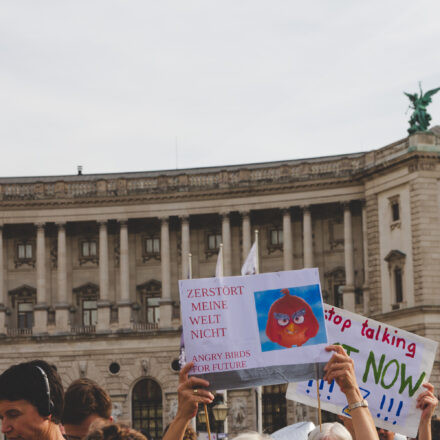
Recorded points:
(152, 245)
(89, 249)
(25, 318)
(214, 241)
(276, 237)
(24, 251)
(398, 287)
(153, 310)
(395, 211)
(90, 312)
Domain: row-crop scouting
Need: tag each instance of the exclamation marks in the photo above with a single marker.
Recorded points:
(322, 383)
(390, 407)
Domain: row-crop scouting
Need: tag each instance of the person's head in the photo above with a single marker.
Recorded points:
(85, 402)
(115, 431)
(330, 431)
(384, 434)
(31, 399)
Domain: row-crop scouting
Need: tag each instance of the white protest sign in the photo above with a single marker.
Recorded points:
(235, 328)
(391, 364)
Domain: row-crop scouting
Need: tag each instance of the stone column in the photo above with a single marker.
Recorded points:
(287, 240)
(247, 239)
(366, 285)
(40, 309)
(186, 249)
(307, 237)
(103, 303)
(124, 275)
(2, 285)
(348, 292)
(62, 305)
(227, 245)
(166, 305)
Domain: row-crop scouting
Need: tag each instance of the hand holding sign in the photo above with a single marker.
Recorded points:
(340, 368)
(427, 402)
(191, 392)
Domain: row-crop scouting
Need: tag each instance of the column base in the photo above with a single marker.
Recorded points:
(104, 316)
(40, 319)
(166, 313)
(124, 314)
(348, 298)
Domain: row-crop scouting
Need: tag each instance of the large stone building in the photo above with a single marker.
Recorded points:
(89, 263)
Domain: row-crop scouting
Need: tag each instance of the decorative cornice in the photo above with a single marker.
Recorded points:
(193, 184)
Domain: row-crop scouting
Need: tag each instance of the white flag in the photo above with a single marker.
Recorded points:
(219, 265)
(251, 263)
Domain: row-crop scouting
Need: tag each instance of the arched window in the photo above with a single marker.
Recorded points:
(146, 407)
(274, 408)
(396, 266)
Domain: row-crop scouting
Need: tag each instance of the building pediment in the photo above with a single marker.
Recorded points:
(395, 255)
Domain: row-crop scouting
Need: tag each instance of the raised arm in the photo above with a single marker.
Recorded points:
(341, 368)
(427, 402)
(191, 392)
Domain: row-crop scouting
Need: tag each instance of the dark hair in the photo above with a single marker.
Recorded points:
(115, 431)
(83, 398)
(26, 382)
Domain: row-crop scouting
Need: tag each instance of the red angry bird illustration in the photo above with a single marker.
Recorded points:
(291, 321)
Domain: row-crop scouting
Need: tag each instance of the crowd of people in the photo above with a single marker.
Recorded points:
(33, 406)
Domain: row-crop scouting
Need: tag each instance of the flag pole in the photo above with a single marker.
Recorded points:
(193, 421)
(223, 266)
(259, 388)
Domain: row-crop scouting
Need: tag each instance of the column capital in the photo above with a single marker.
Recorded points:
(103, 222)
(346, 205)
(123, 222)
(245, 212)
(60, 225)
(224, 214)
(305, 208)
(164, 219)
(40, 225)
(286, 210)
(184, 218)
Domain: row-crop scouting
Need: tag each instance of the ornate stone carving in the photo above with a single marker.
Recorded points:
(238, 413)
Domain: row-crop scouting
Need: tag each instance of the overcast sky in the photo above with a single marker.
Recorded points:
(115, 85)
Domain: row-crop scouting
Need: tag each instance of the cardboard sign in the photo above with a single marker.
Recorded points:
(390, 364)
(254, 330)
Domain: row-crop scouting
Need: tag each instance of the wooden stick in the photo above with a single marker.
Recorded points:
(208, 428)
(319, 405)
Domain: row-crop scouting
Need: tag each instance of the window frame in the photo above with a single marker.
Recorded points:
(91, 257)
(26, 259)
(273, 246)
(151, 254)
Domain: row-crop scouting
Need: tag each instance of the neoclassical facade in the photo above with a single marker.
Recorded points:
(89, 264)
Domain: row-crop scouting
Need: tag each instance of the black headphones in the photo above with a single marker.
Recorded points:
(45, 408)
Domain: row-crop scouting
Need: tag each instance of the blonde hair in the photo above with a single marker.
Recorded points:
(330, 431)
(252, 435)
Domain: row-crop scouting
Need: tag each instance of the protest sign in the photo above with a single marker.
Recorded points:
(254, 330)
(391, 364)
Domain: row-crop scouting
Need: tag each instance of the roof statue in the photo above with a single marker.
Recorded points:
(420, 118)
